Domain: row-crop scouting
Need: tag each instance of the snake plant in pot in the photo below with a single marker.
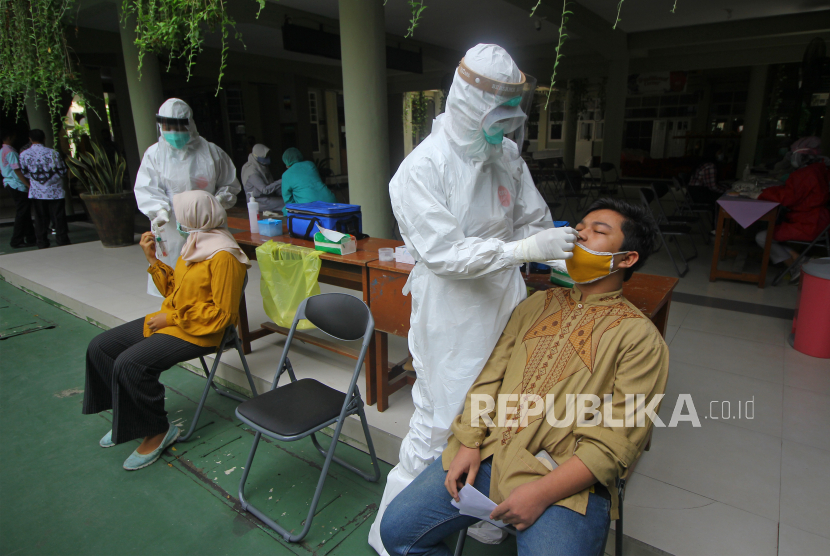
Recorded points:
(110, 207)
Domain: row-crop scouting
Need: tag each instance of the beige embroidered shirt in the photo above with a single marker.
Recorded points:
(560, 342)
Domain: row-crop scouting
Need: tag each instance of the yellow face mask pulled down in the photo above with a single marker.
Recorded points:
(588, 266)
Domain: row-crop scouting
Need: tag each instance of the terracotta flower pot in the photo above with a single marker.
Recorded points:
(112, 216)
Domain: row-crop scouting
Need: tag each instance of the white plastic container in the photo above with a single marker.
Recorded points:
(386, 254)
(253, 209)
(402, 256)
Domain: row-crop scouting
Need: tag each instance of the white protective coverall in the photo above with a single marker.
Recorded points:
(259, 182)
(463, 206)
(165, 171)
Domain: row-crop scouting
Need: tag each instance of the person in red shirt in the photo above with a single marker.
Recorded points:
(805, 196)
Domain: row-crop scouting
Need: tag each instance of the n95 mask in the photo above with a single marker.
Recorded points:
(588, 266)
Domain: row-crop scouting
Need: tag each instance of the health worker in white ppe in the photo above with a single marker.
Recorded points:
(180, 161)
(259, 182)
(470, 214)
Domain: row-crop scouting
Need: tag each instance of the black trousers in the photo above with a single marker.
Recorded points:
(122, 374)
(54, 210)
(23, 228)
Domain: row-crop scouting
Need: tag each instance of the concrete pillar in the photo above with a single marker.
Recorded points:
(615, 92)
(96, 110)
(363, 48)
(700, 125)
(253, 111)
(752, 117)
(825, 131)
(542, 141)
(569, 133)
(127, 140)
(37, 112)
(333, 131)
(146, 94)
(301, 106)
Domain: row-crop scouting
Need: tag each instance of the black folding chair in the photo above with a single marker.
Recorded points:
(610, 178)
(590, 184)
(570, 191)
(301, 408)
(660, 190)
(823, 236)
(672, 231)
(230, 339)
(686, 205)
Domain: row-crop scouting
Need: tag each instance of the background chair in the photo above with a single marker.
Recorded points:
(590, 184)
(230, 339)
(570, 191)
(672, 231)
(823, 236)
(301, 408)
(610, 178)
(685, 204)
(660, 190)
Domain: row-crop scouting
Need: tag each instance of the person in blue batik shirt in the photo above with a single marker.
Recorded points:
(44, 168)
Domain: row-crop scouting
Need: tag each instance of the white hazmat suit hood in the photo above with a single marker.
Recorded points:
(166, 171)
(462, 204)
(468, 104)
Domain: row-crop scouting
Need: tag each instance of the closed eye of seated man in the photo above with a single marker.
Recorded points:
(560, 342)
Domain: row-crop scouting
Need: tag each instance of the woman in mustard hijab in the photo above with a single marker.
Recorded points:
(201, 299)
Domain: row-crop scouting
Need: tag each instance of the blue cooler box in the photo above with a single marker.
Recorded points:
(303, 219)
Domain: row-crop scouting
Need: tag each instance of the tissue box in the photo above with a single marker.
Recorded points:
(403, 256)
(346, 246)
(270, 227)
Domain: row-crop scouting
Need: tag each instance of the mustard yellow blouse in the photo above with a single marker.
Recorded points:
(200, 299)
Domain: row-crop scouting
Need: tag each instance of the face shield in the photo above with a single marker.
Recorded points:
(174, 130)
(513, 103)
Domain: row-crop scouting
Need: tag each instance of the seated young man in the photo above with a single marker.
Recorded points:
(559, 342)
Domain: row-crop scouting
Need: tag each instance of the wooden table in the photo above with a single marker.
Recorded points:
(391, 309)
(345, 271)
(721, 251)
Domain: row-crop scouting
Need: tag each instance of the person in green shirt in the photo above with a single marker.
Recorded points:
(300, 182)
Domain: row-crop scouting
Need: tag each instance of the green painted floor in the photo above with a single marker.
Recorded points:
(63, 494)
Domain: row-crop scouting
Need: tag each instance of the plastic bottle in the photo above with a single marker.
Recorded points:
(747, 173)
(253, 209)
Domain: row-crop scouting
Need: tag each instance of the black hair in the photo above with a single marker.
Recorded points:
(37, 136)
(639, 229)
(7, 133)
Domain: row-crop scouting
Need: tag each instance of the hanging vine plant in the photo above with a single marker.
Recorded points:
(34, 56)
(177, 28)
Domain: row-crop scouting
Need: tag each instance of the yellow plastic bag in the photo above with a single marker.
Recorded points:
(289, 275)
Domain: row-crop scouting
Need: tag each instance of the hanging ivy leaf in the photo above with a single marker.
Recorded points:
(175, 28)
(34, 56)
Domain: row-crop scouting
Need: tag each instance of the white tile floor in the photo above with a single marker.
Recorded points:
(732, 486)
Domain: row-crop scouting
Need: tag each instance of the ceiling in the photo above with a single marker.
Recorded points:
(456, 25)
(649, 15)
(452, 23)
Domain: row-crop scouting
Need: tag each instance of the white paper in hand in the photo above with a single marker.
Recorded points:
(475, 504)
